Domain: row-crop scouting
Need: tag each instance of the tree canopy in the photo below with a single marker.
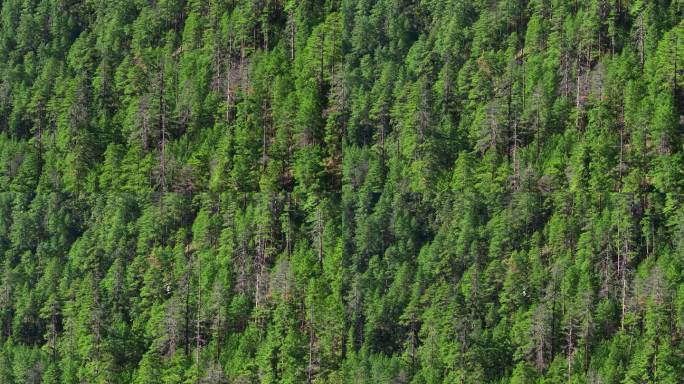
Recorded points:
(341, 191)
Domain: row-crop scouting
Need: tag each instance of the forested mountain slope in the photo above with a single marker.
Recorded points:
(341, 191)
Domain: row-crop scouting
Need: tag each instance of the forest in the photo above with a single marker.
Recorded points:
(341, 191)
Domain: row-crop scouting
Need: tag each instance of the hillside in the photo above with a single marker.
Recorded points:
(341, 191)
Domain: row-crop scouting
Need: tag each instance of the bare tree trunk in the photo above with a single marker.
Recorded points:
(288, 240)
(199, 311)
(641, 40)
(676, 46)
(622, 149)
(293, 31)
(320, 84)
(320, 238)
(623, 252)
(309, 370)
(162, 124)
(624, 285)
(619, 271)
(571, 348)
(259, 262)
(516, 165)
(186, 278)
(577, 96)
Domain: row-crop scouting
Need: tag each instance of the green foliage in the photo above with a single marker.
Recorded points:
(376, 191)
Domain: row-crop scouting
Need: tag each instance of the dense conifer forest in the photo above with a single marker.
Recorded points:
(341, 191)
